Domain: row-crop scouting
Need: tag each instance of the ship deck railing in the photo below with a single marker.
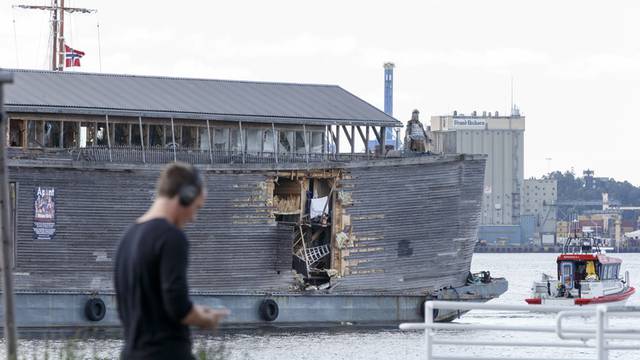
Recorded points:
(599, 336)
(163, 155)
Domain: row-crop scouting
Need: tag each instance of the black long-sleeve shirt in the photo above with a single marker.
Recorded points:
(152, 291)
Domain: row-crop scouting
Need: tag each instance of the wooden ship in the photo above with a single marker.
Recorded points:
(305, 223)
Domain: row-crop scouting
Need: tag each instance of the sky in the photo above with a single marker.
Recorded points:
(575, 65)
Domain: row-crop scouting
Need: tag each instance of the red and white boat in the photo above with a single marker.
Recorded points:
(586, 276)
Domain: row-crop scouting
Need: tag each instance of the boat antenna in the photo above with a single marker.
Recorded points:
(57, 10)
(99, 44)
(511, 95)
(15, 36)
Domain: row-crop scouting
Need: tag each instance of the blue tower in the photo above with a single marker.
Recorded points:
(388, 101)
(388, 88)
(388, 104)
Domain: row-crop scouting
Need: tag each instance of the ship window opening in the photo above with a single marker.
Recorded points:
(35, 133)
(317, 142)
(70, 135)
(267, 141)
(52, 133)
(221, 139)
(87, 134)
(285, 140)
(101, 135)
(253, 143)
(300, 143)
(135, 135)
(121, 134)
(169, 134)
(235, 141)
(189, 137)
(204, 138)
(16, 133)
(156, 135)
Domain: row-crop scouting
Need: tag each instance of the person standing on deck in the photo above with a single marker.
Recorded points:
(151, 273)
(416, 138)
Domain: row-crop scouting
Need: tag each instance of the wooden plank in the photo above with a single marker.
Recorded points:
(364, 139)
(106, 118)
(349, 137)
(144, 159)
(376, 133)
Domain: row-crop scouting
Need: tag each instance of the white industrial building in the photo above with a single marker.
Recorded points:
(501, 138)
(539, 202)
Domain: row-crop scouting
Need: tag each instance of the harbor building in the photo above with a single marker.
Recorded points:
(501, 138)
(539, 206)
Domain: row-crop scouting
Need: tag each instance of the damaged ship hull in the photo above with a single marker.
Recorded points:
(408, 227)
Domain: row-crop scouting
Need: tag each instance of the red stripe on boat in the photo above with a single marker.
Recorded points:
(581, 257)
(534, 301)
(606, 298)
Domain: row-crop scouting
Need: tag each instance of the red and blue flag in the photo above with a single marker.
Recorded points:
(72, 56)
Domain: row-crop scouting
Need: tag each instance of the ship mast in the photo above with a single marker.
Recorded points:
(57, 10)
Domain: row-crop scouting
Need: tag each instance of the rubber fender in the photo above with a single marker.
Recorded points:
(95, 309)
(269, 310)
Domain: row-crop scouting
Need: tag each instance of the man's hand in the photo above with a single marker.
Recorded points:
(205, 317)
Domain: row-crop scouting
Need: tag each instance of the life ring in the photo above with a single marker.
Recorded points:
(95, 309)
(269, 310)
(421, 311)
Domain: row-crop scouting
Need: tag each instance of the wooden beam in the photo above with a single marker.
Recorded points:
(173, 139)
(144, 159)
(362, 136)
(376, 133)
(367, 141)
(325, 140)
(335, 140)
(352, 141)
(306, 143)
(241, 141)
(95, 133)
(106, 119)
(275, 145)
(209, 141)
(383, 139)
(61, 134)
(346, 133)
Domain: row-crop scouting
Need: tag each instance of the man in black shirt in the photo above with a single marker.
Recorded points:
(151, 273)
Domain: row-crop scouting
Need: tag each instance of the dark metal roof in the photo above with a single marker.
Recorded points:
(153, 96)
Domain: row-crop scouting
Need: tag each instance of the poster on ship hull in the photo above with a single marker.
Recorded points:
(44, 218)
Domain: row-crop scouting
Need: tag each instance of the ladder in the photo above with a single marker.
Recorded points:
(314, 254)
(309, 255)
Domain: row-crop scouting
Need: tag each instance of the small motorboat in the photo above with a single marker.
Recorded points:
(586, 276)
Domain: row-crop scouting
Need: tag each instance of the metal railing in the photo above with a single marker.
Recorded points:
(596, 337)
(163, 155)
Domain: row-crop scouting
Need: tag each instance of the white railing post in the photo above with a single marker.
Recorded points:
(600, 342)
(428, 333)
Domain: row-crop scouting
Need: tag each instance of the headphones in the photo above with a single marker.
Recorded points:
(189, 192)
